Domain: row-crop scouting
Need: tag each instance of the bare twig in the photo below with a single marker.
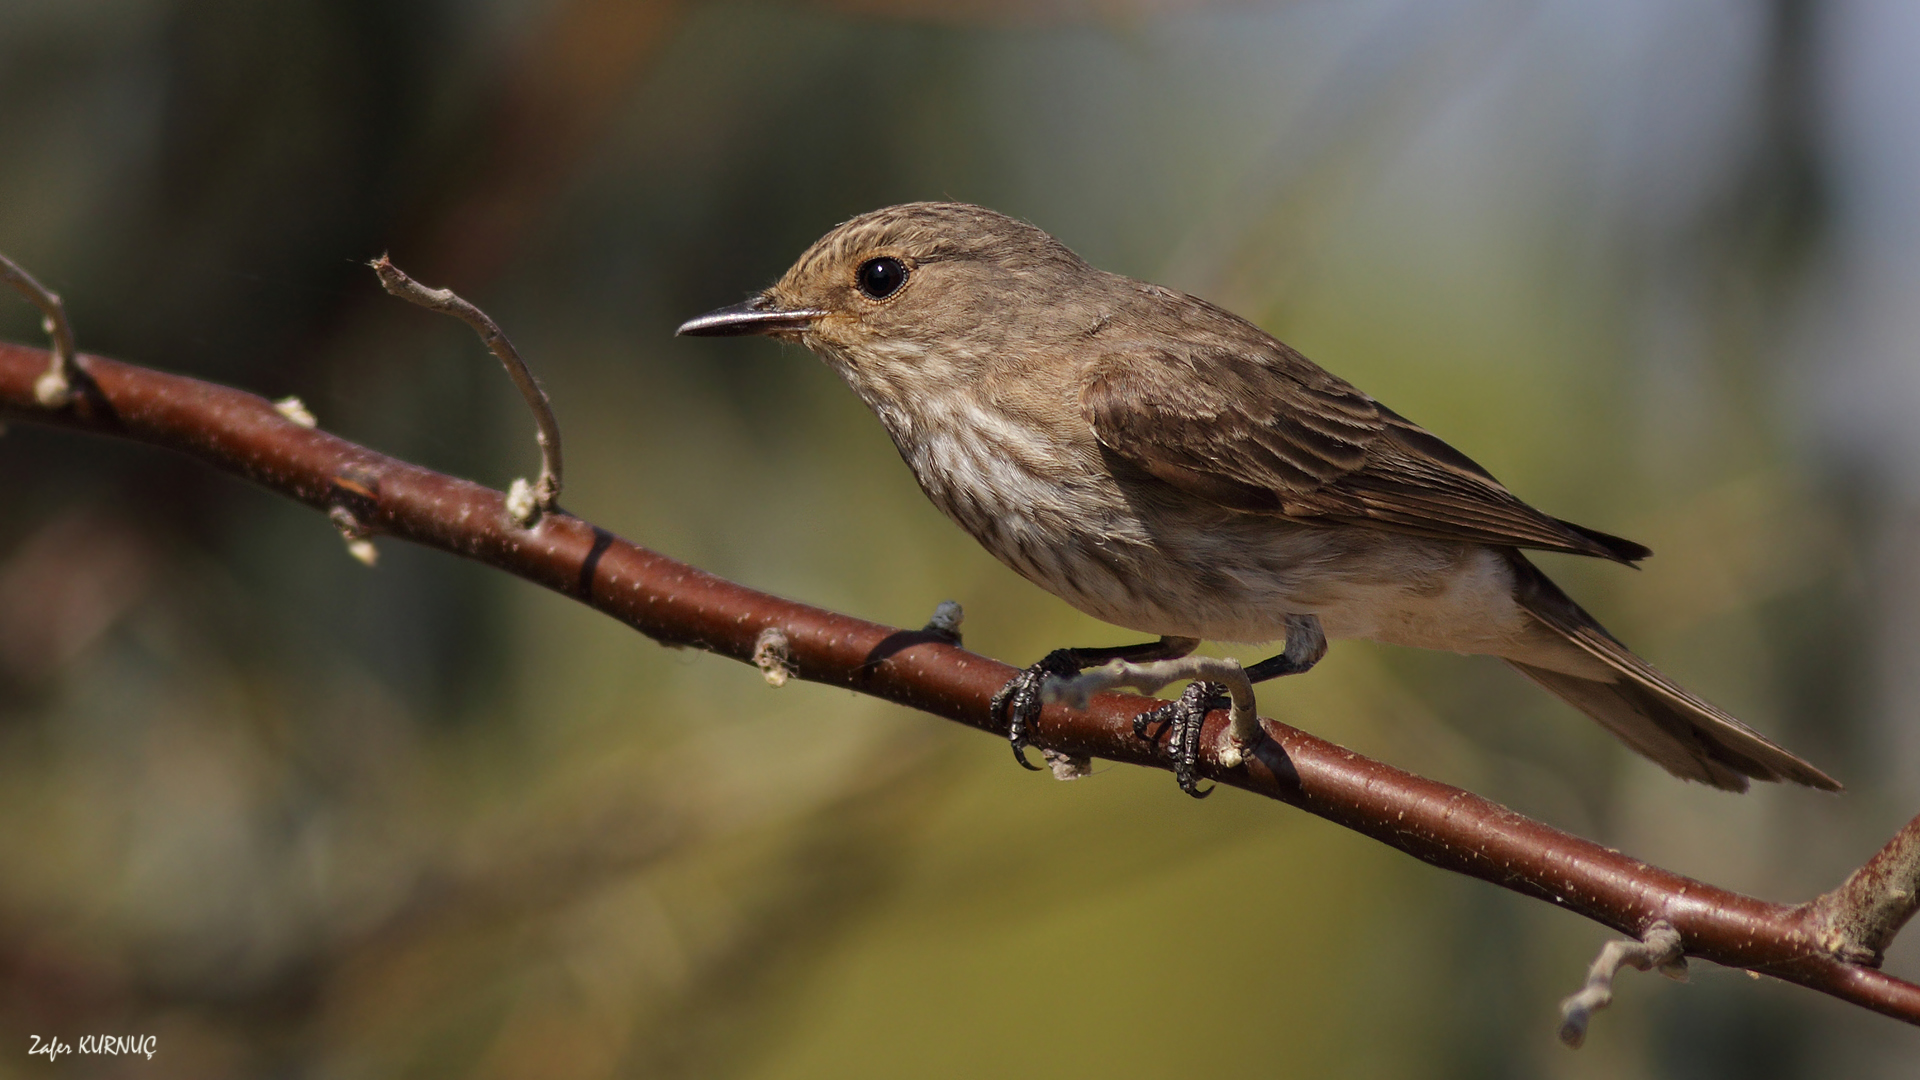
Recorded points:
(528, 504)
(679, 604)
(54, 388)
(1858, 920)
(1658, 947)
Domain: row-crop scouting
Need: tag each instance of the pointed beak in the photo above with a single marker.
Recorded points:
(759, 315)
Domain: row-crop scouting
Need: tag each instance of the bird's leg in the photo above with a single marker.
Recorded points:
(1183, 718)
(1018, 703)
(1306, 644)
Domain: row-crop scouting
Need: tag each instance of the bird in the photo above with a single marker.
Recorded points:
(1168, 467)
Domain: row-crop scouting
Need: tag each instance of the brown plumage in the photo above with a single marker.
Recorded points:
(1166, 466)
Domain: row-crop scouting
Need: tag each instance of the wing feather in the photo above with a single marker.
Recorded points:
(1250, 424)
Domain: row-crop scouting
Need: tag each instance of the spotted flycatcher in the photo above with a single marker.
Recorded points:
(1168, 467)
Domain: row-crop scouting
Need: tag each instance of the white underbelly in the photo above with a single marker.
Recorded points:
(1468, 608)
(1401, 591)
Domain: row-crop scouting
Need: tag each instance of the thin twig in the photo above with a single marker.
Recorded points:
(54, 388)
(675, 603)
(1659, 947)
(545, 493)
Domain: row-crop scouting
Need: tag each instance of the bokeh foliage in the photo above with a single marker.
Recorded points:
(297, 817)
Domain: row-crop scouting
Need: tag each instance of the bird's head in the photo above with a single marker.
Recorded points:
(918, 296)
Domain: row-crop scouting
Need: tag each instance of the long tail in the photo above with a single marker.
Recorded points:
(1646, 710)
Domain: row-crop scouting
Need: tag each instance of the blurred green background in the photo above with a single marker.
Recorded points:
(1652, 264)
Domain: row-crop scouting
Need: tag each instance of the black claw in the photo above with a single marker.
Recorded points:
(1182, 720)
(1018, 703)
(1190, 783)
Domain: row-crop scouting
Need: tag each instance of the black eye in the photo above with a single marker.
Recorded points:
(882, 277)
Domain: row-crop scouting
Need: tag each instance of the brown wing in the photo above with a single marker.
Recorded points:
(1255, 426)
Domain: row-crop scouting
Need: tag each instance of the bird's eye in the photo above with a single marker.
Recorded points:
(882, 277)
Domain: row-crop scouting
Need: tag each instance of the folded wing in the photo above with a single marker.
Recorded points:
(1248, 423)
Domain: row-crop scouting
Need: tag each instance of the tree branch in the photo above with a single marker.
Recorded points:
(1828, 945)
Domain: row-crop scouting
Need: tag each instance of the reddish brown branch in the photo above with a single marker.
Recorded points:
(1812, 944)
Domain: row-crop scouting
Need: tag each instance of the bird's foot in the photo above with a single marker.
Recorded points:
(1213, 677)
(1181, 720)
(1019, 702)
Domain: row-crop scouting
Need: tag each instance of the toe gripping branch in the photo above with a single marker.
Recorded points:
(1183, 719)
(1018, 703)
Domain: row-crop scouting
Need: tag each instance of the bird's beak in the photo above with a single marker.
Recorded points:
(759, 315)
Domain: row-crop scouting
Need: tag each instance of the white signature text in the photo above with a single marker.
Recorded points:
(95, 1044)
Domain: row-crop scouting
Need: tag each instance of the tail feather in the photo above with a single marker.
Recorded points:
(1648, 711)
